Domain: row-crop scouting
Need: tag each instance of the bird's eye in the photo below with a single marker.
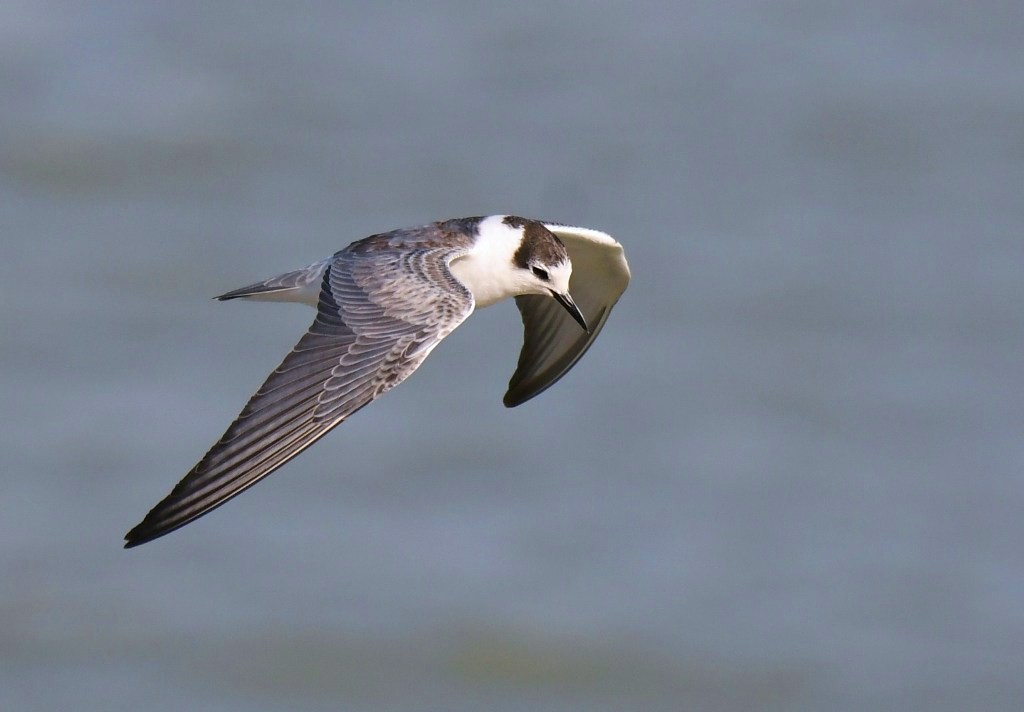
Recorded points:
(540, 273)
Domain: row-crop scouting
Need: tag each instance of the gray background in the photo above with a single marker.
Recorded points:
(788, 475)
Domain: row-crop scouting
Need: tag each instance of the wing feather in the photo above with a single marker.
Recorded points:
(359, 346)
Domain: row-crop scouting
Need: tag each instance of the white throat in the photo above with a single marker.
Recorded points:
(487, 269)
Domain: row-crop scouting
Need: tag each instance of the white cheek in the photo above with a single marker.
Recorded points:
(560, 280)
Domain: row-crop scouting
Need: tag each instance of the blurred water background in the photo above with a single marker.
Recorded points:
(788, 476)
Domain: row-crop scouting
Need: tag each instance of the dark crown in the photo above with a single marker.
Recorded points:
(539, 244)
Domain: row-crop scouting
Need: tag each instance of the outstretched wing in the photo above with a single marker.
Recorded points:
(552, 341)
(380, 314)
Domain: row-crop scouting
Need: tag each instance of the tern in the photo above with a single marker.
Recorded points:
(383, 303)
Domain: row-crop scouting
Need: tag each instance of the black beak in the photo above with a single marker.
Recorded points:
(570, 306)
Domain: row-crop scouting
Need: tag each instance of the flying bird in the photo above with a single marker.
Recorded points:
(383, 303)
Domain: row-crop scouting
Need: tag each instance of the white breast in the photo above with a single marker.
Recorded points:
(487, 270)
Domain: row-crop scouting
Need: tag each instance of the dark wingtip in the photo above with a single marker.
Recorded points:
(135, 537)
(516, 397)
(147, 530)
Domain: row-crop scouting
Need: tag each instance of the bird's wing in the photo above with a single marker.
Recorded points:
(552, 341)
(379, 316)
